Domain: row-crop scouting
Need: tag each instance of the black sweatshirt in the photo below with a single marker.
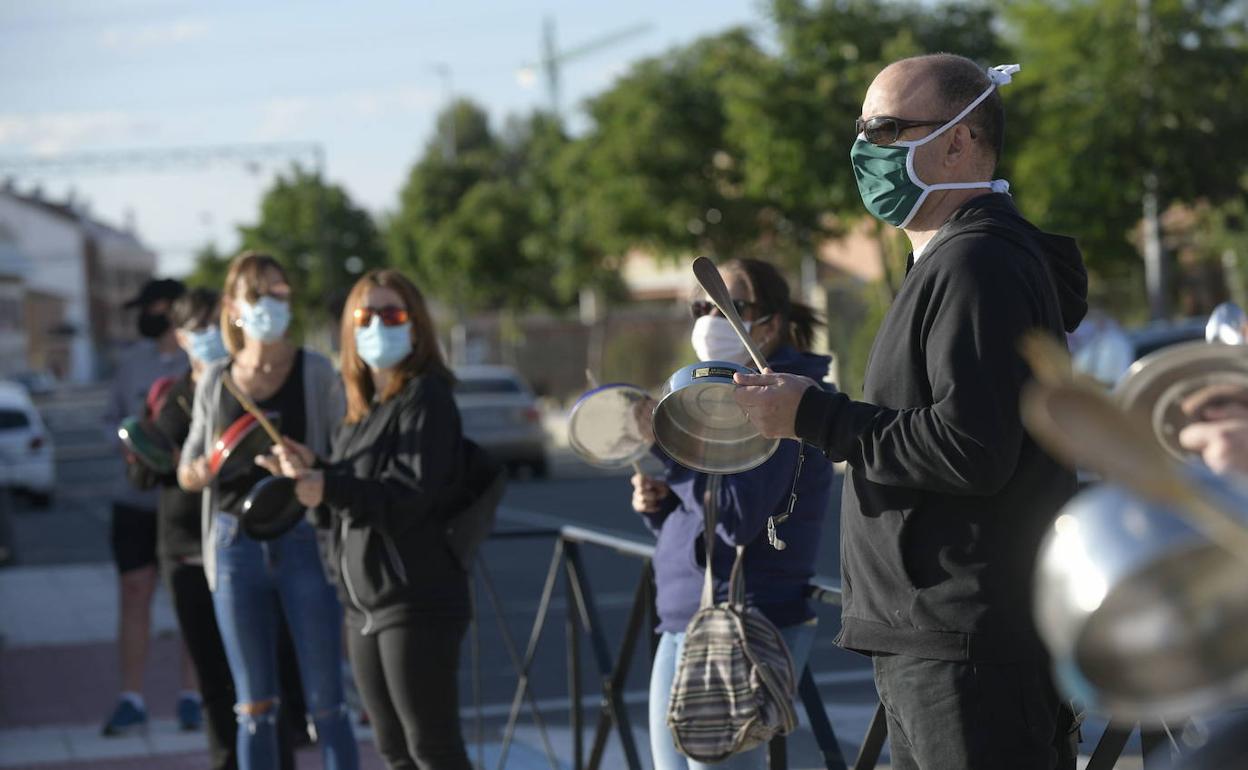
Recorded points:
(946, 496)
(394, 478)
(178, 525)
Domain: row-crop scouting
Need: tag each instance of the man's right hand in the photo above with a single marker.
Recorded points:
(648, 493)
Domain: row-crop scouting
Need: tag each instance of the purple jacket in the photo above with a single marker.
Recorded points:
(775, 581)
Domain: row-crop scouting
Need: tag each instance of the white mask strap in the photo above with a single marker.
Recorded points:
(999, 75)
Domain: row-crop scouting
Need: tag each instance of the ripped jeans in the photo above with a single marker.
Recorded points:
(255, 581)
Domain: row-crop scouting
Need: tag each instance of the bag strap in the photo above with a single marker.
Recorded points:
(710, 514)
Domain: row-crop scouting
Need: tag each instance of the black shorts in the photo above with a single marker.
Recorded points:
(133, 534)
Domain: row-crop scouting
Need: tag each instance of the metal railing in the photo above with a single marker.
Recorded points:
(584, 620)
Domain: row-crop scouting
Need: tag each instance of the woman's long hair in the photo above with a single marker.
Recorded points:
(425, 358)
(248, 267)
(771, 295)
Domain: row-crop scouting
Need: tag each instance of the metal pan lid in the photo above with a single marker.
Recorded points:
(1155, 387)
(147, 443)
(604, 427)
(271, 508)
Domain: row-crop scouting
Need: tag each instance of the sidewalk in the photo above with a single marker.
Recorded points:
(58, 679)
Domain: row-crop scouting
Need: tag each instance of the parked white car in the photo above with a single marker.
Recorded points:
(26, 453)
(500, 413)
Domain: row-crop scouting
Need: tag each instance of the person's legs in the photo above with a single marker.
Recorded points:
(311, 609)
(192, 603)
(247, 609)
(662, 673)
(134, 625)
(365, 654)
(133, 536)
(968, 715)
(420, 664)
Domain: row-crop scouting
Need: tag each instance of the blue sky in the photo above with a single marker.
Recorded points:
(360, 78)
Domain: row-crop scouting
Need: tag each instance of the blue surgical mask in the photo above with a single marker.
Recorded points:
(266, 320)
(887, 182)
(381, 347)
(207, 346)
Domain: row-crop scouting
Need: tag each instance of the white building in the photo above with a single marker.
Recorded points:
(79, 273)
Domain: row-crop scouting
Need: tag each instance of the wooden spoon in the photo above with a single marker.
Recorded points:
(250, 407)
(1084, 428)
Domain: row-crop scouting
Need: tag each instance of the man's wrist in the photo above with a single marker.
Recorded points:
(813, 413)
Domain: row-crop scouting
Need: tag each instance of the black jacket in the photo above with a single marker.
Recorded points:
(392, 481)
(947, 497)
(179, 523)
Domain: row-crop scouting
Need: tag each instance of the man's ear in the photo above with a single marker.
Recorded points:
(961, 147)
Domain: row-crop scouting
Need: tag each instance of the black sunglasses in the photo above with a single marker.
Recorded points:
(701, 307)
(884, 129)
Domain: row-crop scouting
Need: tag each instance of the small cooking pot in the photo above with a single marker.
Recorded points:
(604, 428)
(148, 443)
(1154, 388)
(1146, 619)
(271, 508)
(699, 424)
(239, 445)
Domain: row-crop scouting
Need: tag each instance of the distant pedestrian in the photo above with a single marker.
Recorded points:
(133, 522)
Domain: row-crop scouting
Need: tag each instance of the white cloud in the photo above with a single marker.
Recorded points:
(129, 37)
(50, 133)
(290, 117)
(283, 118)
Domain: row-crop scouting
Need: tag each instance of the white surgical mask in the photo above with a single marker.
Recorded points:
(265, 320)
(713, 339)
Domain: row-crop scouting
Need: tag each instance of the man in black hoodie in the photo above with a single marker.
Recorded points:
(946, 496)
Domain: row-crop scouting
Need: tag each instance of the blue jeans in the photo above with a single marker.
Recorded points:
(799, 638)
(255, 581)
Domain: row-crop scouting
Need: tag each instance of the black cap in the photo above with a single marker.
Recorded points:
(157, 289)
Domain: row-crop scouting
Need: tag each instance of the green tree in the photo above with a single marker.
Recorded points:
(208, 269)
(658, 170)
(323, 239)
(1098, 106)
(479, 217)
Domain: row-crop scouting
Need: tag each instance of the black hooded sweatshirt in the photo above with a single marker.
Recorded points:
(946, 496)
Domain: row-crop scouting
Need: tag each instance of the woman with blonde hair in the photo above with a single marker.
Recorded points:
(253, 581)
(397, 473)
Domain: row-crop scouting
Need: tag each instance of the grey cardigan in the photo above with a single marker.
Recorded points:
(325, 404)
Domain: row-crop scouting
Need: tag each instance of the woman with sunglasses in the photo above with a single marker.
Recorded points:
(397, 469)
(672, 507)
(253, 581)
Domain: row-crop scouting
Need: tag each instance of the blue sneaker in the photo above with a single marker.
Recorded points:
(126, 718)
(190, 713)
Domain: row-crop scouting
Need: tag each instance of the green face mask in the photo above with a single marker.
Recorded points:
(887, 182)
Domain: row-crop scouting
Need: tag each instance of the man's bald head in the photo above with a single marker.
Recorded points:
(946, 83)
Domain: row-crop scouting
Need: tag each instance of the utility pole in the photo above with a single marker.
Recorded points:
(449, 143)
(1154, 253)
(552, 59)
(592, 306)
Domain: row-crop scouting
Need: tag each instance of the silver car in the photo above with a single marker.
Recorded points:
(26, 451)
(500, 413)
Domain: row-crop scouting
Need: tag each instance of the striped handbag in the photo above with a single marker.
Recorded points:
(734, 685)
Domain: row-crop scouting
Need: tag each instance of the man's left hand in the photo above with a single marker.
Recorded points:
(770, 400)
